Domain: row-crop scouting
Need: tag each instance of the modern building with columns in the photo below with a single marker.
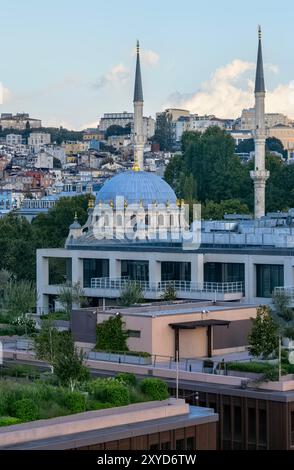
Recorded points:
(235, 260)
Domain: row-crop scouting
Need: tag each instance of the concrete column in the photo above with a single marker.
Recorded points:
(77, 270)
(288, 273)
(250, 280)
(42, 282)
(114, 267)
(197, 267)
(154, 270)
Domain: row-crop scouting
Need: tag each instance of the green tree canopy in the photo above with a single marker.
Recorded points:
(111, 335)
(263, 339)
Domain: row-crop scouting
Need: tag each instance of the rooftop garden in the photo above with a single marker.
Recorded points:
(23, 400)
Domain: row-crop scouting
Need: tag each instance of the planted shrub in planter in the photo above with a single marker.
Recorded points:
(26, 409)
(75, 402)
(111, 391)
(127, 378)
(154, 389)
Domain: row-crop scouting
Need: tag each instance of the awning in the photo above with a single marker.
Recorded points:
(191, 325)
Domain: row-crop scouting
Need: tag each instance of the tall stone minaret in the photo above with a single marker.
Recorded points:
(260, 174)
(138, 117)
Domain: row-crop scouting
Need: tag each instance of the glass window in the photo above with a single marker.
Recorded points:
(251, 428)
(227, 429)
(95, 268)
(237, 439)
(175, 271)
(134, 333)
(268, 276)
(135, 270)
(165, 446)
(180, 444)
(262, 429)
(191, 443)
(224, 272)
(59, 271)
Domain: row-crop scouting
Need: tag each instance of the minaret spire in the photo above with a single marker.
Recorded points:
(260, 174)
(138, 116)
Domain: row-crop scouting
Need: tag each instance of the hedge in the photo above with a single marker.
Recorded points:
(111, 391)
(127, 378)
(75, 402)
(8, 420)
(154, 389)
(26, 410)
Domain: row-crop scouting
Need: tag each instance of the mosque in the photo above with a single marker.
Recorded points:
(138, 230)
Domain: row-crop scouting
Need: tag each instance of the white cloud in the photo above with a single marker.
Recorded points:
(229, 90)
(90, 125)
(149, 57)
(5, 94)
(118, 74)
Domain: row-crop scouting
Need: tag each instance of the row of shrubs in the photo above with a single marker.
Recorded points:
(20, 370)
(260, 367)
(21, 403)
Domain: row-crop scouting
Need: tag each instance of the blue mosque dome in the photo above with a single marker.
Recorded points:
(136, 187)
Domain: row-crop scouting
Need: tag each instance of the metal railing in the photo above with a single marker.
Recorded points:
(180, 286)
(288, 290)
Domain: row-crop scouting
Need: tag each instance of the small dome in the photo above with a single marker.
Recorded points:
(137, 187)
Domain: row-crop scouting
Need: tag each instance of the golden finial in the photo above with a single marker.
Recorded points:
(178, 202)
(90, 203)
(111, 203)
(182, 202)
(167, 203)
(100, 203)
(141, 203)
(125, 203)
(136, 164)
(76, 215)
(259, 32)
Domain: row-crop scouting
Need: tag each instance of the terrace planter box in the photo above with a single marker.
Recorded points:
(121, 358)
(248, 375)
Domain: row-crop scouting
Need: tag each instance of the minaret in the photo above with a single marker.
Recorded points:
(260, 174)
(138, 117)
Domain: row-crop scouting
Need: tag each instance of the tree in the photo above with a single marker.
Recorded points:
(68, 363)
(111, 335)
(163, 132)
(214, 210)
(51, 229)
(19, 298)
(209, 169)
(47, 342)
(131, 294)
(118, 130)
(283, 314)
(68, 295)
(263, 339)
(169, 294)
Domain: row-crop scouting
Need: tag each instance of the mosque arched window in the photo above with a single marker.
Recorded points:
(160, 220)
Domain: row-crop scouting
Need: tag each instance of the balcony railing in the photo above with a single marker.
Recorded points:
(180, 286)
(288, 290)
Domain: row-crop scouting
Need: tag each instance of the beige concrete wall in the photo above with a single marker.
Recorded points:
(157, 337)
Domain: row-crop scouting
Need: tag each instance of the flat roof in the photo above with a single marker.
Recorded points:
(158, 310)
(197, 415)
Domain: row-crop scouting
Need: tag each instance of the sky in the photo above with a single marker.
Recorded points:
(69, 61)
